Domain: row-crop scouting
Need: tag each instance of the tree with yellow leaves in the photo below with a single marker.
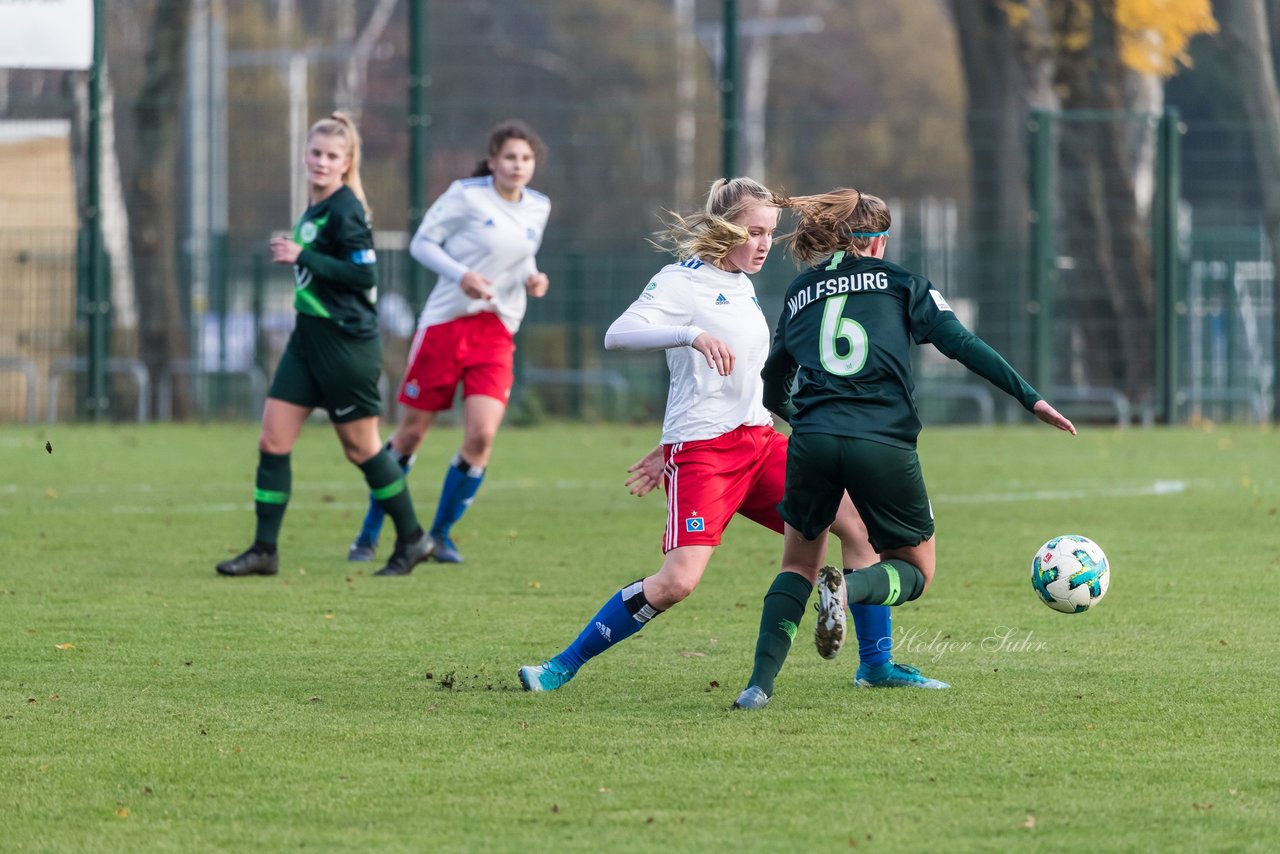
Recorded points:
(1082, 58)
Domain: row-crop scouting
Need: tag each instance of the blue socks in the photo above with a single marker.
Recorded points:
(460, 484)
(622, 616)
(873, 625)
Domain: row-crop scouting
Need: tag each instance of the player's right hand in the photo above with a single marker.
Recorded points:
(646, 473)
(476, 286)
(719, 356)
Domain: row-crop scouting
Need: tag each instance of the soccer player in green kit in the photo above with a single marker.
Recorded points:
(845, 335)
(334, 356)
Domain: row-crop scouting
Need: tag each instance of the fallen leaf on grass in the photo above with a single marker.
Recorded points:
(1030, 823)
(64, 646)
(123, 812)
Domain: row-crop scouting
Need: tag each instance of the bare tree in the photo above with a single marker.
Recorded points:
(1007, 73)
(755, 97)
(1248, 54)
(153, 206)
(351, 81)
(1105, 236)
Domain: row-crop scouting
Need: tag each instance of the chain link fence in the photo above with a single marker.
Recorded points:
(1075, 281)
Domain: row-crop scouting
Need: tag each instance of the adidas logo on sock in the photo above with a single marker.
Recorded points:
(604, 631)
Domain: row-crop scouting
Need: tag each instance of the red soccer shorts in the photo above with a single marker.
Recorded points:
(708, 481)
(477, 351)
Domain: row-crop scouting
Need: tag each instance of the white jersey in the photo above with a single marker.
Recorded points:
(701, 404)
(486, 234)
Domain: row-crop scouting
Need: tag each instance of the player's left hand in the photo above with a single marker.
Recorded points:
(646, 473)
(1053, 417)
(536, 285)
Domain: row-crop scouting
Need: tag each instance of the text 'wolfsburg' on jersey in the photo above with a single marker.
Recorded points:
(701, 404)
(336, 274)
(489, 235)
(845, 336)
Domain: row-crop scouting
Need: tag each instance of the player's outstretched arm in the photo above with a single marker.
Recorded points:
(646, 473)
(1053, 417)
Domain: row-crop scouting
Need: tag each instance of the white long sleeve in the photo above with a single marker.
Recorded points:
(431, 255)
(631, 331)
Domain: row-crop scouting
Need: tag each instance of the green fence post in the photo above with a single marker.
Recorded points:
(573, 319)
(1040, 304)
(98, 304)
(1169, 305)
(418, 123)
(729, 91)
(259, 301)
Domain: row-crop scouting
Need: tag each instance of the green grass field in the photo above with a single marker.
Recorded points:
(147, 704)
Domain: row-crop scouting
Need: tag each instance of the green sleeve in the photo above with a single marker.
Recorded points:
(344, 272)
(778, 371)
(954, 341)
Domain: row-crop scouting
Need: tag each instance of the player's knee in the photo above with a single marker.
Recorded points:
(478, 444)
(407, 440)
(272, 445)
(666, 589)
(678, 589)
(926, 579)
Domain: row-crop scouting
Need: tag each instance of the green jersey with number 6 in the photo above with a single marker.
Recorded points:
(336, 274)
(844, 341)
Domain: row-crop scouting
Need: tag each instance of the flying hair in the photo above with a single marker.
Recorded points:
(711, 234)
(340, 124)
(843, 220)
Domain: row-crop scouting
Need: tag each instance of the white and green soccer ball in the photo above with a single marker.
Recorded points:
(1070, 573)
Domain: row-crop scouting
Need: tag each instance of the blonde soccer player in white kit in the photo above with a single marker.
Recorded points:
(481, 236)
(720, 454)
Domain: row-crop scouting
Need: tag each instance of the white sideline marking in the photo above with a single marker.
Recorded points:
(1159, 487)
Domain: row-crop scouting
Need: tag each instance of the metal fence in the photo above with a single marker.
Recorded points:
(1171, 320)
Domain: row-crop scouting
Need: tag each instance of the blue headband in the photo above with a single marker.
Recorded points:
(868, 233)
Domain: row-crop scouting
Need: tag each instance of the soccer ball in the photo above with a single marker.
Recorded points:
(1070, 573)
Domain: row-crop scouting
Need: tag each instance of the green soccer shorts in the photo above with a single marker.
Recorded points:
(324, 367)
(885, 483)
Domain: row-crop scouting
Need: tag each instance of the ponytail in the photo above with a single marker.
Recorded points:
(340, 124)
(842, 220)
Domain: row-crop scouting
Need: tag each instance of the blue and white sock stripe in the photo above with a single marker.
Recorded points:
(633, 597)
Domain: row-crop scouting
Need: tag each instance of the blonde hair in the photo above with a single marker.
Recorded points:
(711, 233)
(842, 220)
(340, 124)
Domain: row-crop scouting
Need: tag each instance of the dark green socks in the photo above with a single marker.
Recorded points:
(271, 495)
(889, 582)
(784, 606)
(387, 486)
